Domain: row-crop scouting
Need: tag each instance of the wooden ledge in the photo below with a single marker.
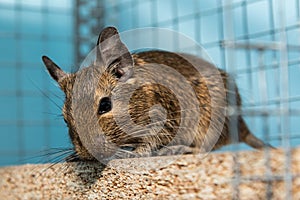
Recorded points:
(216, 176)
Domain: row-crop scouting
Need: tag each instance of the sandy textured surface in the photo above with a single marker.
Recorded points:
(179, 177)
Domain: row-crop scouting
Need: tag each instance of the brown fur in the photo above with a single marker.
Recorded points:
(143, 136)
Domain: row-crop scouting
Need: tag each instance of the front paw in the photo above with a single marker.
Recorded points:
(176, 150)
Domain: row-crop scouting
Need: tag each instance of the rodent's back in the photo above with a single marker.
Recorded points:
(209, 84)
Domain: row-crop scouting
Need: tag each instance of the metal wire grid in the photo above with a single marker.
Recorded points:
(264, 58)
(257, 41)
(281, 46)
(257, 51)
(28, 122)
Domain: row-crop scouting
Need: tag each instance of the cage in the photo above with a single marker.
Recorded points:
(257, 41)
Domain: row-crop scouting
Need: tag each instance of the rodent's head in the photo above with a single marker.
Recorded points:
(88, 94)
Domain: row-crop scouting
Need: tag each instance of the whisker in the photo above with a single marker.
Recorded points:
(48, 97)
(53, 156)
(47, 153)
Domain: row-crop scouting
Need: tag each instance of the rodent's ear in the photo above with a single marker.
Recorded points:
(55, 71)
(114, 54)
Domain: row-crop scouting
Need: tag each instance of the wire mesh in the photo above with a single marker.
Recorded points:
(30, 121)
(254, 41)
(257, 41)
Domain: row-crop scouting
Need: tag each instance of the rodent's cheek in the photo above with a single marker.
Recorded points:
(107, 123)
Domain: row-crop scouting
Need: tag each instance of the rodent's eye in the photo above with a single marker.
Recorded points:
(104, 105)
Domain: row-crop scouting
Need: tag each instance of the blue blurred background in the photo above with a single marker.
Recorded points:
(65, 30)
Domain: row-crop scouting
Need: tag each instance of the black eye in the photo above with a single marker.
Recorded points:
(104, 105)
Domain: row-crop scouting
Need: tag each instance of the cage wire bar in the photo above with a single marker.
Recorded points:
(88, 23)
(284, 104)
(229, 32)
